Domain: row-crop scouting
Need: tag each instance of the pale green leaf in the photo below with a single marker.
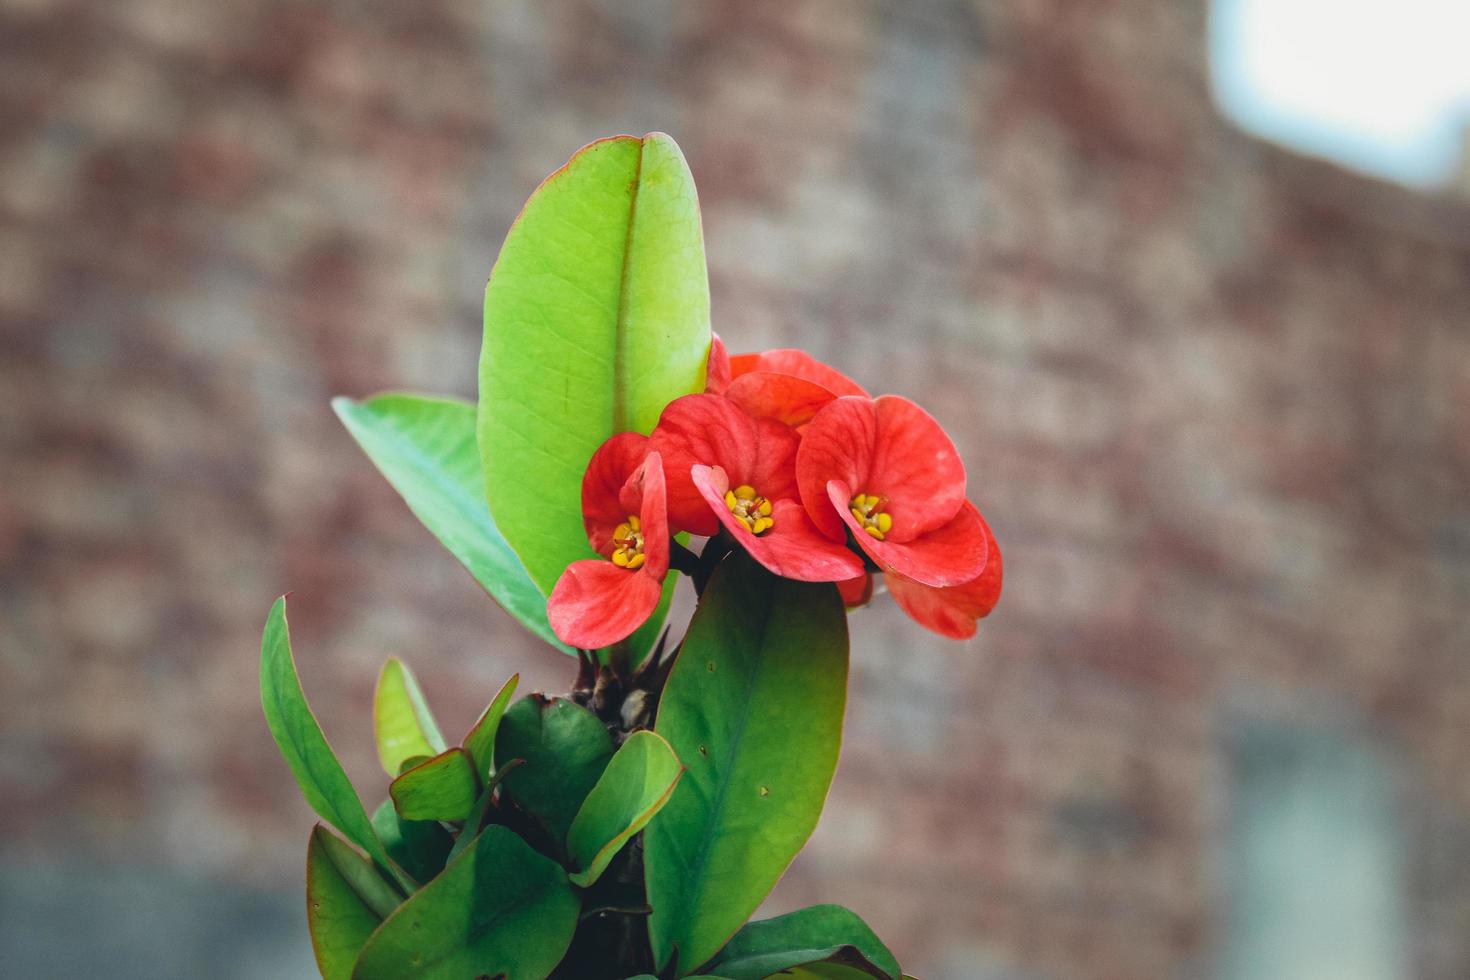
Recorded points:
(401, 718)
(596, 317)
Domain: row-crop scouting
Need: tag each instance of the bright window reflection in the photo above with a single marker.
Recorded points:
(1382, 86)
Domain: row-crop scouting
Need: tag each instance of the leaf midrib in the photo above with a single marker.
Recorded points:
(619, 387)
(697, 867)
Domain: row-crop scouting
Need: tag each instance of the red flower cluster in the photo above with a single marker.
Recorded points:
(814, 478)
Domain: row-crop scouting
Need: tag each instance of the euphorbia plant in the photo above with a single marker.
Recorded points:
(630, 827)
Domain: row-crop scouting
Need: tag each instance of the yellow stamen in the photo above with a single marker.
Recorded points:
(867, 510)
(628, 545)
(750, 508)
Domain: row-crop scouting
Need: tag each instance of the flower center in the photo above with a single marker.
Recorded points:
(628, 545)
(867, 509)
(750, 508)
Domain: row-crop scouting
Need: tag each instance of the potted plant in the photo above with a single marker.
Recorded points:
(630, 826)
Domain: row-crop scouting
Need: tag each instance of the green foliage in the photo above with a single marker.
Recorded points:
(565, 749)
(419, 847)
(402, 721)
(345, 901)
(426, 448)
(827, 939)
(299, 737)
(596, 317)
(443, 788)
(500, 908)
(635, 785)
(753, 707)
(480, 742)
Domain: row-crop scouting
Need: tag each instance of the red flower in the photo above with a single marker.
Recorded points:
(953, 611)
(599, 601)
(726, 469)
(787, 385)
(884, 470)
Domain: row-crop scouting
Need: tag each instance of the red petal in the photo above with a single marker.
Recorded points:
(798, 364)
(774, 473)
(952, 611)
(653, 516)
(915, 468)
(607, 473)
(950, 554)
(792, 547)
(856, 591)
(837, 445)
(783, 397)
(596, 603)
(717, 369)
(706, 430)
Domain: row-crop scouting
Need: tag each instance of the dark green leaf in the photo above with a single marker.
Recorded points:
(300, 739)
(596, 317)
(476, 820)
(426, 448)
(345, 901)
(753, 707)
(480, 742)
(499, 908)
(444, 788)
(401, 718)
(826, 935)
(635, 785)
(565, 748)
(420, 847)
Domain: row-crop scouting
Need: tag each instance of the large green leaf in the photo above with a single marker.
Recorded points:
(753, 707)
(425, 446)
(402, 722)
(566, 749)
(499, 909)
(299, 737)
(420, 847)
(635, 785)
(822, 937)
(345, 901)
(442, 788)
(596, 317)
(480, 741)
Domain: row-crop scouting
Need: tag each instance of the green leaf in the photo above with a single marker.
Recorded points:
(476, 819)
(753, 707)
(401, 718)
(500, 908)
(299, 737)
(425, 446)
(635, 785)
(826, 935)
(420, 847)
(345, 901)
(565, 748)
(596, 317)
(480, 742)
(444, 788)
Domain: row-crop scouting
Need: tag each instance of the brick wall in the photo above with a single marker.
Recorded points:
(1215, 401)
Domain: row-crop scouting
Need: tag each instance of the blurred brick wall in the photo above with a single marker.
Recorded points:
(1215, 401)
